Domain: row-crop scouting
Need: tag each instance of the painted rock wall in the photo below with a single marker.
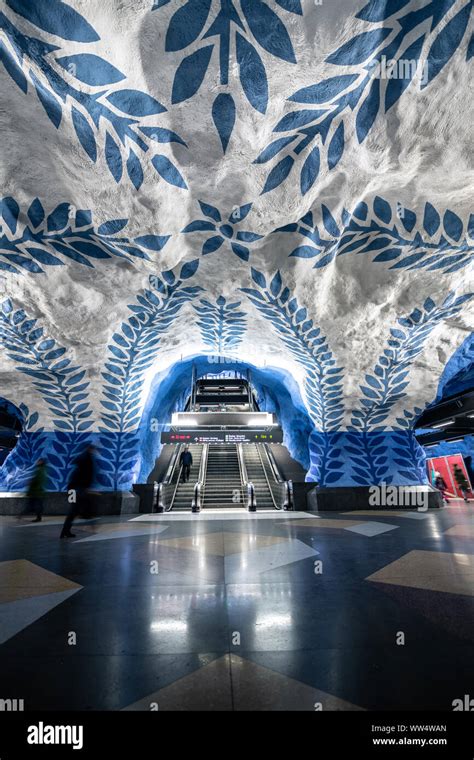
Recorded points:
(288, 181)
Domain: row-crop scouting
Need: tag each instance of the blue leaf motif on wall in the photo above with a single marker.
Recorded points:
(268, 30)
(108, 120)
(240, 29)
(132, 351)
(223, 115)
(62, 386)
(349, 97)
(447, 42)
(323, 378)
(55, 17)
(91, 69)
(190, 74)
(385, 387)
(389, 234)
(222, 324)
(229, 231)
(66, 233)
(253, 77)
(187, 24)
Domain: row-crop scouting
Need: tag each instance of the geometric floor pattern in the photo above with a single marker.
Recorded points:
(27, 592)
(235, 613)
(234, 683)
(447, 572)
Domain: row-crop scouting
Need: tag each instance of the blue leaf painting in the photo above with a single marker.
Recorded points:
(190, 74)
(223, 115)
(91, 69)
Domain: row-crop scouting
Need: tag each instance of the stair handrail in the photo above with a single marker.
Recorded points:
(266, 476)
(199, 485)
(251, 497)
(196, 502)
(285, 497)
(273, 464)
(244, 481)
(178, 480)
(172, 465)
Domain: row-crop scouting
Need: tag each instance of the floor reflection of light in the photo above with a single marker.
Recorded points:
(463, 559)
(274, 621)
(175, 626)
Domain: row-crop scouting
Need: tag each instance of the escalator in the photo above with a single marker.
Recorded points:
(179, 494)
(260, 474)
(222, 481)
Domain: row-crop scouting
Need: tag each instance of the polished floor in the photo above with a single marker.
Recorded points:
(334, 611)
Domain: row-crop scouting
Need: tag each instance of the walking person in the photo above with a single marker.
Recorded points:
(80, 483)
(440, 484)
(461, 481)
(37, 491)
(186, 460)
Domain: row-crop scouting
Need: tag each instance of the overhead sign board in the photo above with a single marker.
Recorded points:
(223, 436)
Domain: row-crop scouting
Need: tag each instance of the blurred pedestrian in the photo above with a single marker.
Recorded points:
(37, 491)
(461, 481)
(80, 484)
(440, 484)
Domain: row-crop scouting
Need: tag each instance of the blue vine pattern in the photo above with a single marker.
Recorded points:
(323, 382)
(63, 386)
(65, 233)
(384, 388)
(59, 81)
(222, 325)
(391, 235)
(330, 103)
(254, 24)
(131, 352)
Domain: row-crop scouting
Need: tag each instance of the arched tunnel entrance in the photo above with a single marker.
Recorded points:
(270, 393)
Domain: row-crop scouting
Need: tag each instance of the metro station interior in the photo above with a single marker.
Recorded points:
(236, 356)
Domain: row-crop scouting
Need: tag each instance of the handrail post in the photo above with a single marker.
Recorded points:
(288, 497)
(251, 498)
(158, 498)
(196, 503)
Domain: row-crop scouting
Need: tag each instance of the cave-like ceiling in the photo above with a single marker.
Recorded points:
(288, 181)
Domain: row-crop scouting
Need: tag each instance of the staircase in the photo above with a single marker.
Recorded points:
(256, 474)
(185, 492)
(223, 485)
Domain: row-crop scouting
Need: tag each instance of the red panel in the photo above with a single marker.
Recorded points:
(445, 466)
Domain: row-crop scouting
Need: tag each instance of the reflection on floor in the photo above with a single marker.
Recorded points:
(302, 612)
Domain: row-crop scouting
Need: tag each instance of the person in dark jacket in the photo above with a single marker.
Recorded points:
(186, 460)
(80, 484)
(37, 490)
(461, 481)
(440, 484)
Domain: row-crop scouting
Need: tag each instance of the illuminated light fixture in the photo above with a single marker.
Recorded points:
(455, 440)
(432, 445)
(471, 416)
(443, 424)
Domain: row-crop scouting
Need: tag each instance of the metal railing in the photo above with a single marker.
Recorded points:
(281, 490)
(164, 493)
(196, 503)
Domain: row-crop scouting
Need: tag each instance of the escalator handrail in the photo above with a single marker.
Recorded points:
(169, 475)
(201, 481)
(244, 479)
(273, 464)
(178, 480)
(266, 477)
